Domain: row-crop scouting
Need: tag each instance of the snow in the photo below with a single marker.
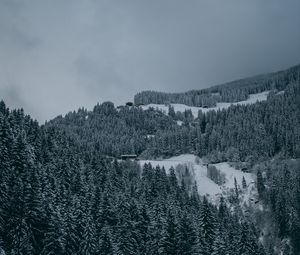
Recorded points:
(177, 108)
(179, 122)
(232, 173)
(248, 195)
(280, 92)
(150, 136)
(253, 98)
(205, 185)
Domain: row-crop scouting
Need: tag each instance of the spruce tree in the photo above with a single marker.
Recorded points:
(105, 246)
(207, 224)
(169, 240)
(187, 239)
(219, 246)
(260, 184)
(244, 183)
(246, 242)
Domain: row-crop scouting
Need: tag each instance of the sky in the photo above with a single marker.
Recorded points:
(59, 55)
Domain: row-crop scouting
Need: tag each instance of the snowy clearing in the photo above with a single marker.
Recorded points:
(205, 185)
(150, 136)
(253, 98)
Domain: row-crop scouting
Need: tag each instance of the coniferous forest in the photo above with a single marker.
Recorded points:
(64, 189)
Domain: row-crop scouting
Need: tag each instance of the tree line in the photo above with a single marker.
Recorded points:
(59, 199)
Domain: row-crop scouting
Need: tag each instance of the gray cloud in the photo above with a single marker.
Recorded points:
(56, 56)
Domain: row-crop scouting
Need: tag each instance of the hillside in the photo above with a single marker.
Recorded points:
(213, 180)
(252, 99)
(234, 91)
(188, 165)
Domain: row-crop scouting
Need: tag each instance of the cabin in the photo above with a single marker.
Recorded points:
(245, 170)
(129, 156)
(129, 104)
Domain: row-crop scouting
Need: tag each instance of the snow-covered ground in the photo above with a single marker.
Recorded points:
(280, 92)
(150, 136)
(205, 185)
(253, 98)
(179, 122)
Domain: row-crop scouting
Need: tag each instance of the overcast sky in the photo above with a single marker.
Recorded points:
(58, 55)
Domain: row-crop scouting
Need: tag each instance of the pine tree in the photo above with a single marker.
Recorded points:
(171, 111)
(34, 212)
(107, 214)
(127, 233)
(143, 230)
(54, 242)
(207, 224)
(88, 242)
(281, 215)
(168, 243)
(260, 184)
(236, 190)
(244, 183)
(105, 246)
(295, 231)
(21, 243)
(187, 239)
(219, 246)
(6, 142)
(246, 243)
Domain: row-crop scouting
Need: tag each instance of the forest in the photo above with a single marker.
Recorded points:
(64, 189)
(234, 91)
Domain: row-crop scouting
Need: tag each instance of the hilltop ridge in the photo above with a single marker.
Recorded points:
(233, 91)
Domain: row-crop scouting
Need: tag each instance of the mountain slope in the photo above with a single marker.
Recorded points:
(198, 171)
(229, 92)
(253, 98)
(64, 190)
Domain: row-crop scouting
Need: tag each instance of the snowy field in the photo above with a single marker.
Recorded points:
(253, 98)
(205, 185)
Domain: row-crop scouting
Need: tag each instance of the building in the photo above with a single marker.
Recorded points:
(129, 104)
(129, 156)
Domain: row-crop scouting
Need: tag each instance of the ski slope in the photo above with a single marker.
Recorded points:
(205, 185)
(253, 98)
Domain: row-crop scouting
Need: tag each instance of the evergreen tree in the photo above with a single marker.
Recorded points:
(105, 246)
(54, 242)
(207, 224)
(168, 244)
(246, 243)
(187, 239)
(219, 245)
(244, 183)
(260, 184)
